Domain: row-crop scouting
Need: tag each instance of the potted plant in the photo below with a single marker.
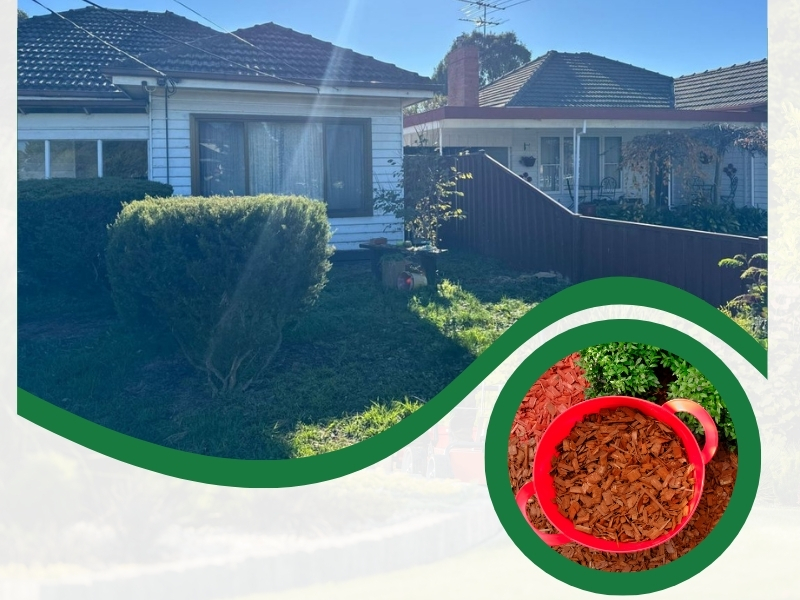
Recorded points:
(527, 161)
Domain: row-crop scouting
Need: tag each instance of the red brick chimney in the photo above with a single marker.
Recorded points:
(463, 76)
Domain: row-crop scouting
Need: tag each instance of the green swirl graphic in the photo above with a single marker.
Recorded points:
(303, 471)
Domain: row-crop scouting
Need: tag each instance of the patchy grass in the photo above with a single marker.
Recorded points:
(308, 440)
(335, 381)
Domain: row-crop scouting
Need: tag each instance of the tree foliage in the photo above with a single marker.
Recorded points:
(499, 54)
(684, 152)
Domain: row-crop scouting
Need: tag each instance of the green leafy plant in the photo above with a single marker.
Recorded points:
(224, 275)
(691, 384)
(423, 194)
(62, 226)
(654, 374)
(750, 309)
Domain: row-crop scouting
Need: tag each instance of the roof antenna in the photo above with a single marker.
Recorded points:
(479, 12)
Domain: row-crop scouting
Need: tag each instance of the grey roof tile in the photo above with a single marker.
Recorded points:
(737, 85)
(562, 79)
(280, 52)
(53, 56)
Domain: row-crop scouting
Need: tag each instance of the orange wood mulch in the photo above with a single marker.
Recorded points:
(622, 476)
(559, 388)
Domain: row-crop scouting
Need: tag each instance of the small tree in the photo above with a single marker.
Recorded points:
(750, 309)
(684, 152)
(666, 151)
(430, 182)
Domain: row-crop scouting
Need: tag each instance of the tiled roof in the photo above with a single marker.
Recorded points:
(500, 92)
(280, 52)
(562, 79)
(737, 85)
(55, 56)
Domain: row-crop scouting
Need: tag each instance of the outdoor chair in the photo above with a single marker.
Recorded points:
(608, 188)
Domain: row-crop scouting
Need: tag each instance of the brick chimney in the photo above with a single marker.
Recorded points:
(463, 76)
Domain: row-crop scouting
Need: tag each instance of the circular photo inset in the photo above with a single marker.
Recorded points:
(622, 457)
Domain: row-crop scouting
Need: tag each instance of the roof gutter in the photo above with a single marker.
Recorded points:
(579, 113)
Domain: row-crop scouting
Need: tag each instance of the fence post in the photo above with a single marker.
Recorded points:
(762, 244)
(576, 275)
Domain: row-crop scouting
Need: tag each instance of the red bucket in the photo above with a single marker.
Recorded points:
(560, 428)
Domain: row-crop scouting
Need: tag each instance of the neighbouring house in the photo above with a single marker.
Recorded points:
(532, 119)
(263, 110)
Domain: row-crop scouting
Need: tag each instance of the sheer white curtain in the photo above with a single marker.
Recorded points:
(286, 158)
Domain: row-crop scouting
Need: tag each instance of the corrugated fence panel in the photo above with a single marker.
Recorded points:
(510, 220)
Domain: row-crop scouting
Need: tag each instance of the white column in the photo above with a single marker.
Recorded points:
(47, 159)
(99, 158)
(752, 180)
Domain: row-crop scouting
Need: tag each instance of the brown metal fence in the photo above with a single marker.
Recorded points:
(509, 219)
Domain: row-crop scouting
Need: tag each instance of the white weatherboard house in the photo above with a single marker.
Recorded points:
(561, 101)
(267, 110)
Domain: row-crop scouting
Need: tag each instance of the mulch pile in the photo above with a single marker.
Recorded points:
(558, 389)
(623, 476)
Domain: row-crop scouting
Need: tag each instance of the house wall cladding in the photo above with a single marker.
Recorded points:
(508, 219)
(386, 124)
(74, 126)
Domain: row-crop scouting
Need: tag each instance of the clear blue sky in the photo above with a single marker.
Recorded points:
(673, 37)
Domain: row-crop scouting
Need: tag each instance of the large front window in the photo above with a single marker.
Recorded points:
(322, 159)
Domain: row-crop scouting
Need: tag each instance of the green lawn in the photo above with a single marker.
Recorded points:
(360, 360)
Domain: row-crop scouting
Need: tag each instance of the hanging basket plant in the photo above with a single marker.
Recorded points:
(527, 161)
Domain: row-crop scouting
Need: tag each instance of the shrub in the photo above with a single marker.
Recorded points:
(223, 274)
(716, 218)
(639, 370)
(62, 225)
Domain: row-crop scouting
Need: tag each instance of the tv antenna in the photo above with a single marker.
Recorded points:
(479, 12)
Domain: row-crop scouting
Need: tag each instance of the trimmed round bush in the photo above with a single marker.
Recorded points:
(62, 226)
(224, 275)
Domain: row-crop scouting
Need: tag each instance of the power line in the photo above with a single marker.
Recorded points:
(241, 39)
(97, 37)
(179, 41)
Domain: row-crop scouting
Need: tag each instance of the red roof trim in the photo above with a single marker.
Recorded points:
(643, 114)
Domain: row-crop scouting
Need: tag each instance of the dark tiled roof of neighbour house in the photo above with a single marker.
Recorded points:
(54, 57)
(561, 79)
(279, 52)
(737, 85)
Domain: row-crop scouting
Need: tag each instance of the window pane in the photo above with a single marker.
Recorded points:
(551, 160)
(590, 161)
(222, 169)
(612, 159)
(344, 153)
(30, 160)
(73, 159)
(569, 158)
(126, 159)
(286, 158)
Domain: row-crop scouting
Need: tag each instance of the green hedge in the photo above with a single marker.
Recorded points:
(628, 369)
(62, 226)
(224, 275)
(717, 218)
